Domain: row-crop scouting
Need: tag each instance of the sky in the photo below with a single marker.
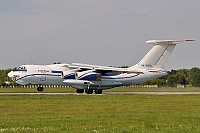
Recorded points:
(100, 32)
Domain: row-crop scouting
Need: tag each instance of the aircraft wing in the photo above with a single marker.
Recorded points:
(101, 69)
(118, 70)
(88, 67)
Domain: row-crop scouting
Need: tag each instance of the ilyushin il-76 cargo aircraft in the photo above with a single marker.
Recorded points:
(94, 78)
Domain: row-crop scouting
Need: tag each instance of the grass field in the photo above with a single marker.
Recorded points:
(118, 89)
(100, 113)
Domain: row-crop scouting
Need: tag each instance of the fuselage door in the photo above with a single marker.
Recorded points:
(43, 76)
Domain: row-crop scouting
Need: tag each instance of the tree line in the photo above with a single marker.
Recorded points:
(4, 79)
(189, 77)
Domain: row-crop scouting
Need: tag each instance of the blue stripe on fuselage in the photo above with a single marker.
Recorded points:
(38, 75)
(104, 77)
(56, 71)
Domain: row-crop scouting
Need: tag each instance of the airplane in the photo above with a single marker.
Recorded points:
(95, 78)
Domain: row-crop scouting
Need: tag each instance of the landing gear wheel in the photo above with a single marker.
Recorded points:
(98, 91)
(88, 91)
(40, 88)
(79, 90)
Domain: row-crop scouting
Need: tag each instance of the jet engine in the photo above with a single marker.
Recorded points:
(88, 75)
(68, 75)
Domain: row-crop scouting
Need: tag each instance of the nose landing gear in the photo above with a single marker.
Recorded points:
(40, 89)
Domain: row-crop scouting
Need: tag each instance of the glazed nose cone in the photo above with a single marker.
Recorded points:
(11, 74)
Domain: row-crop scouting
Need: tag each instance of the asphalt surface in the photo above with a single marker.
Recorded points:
(110, 93)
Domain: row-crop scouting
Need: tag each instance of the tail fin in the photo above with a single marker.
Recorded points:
(159, 54)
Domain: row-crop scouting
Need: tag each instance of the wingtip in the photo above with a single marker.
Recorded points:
(189, 40)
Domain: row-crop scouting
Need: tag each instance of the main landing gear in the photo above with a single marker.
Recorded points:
(80, 90)
(39, 88)
(89, 91)
(98, 91)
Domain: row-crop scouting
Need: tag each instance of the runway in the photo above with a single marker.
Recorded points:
(110, 93)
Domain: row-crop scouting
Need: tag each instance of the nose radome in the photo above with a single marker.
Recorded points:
(10, 74)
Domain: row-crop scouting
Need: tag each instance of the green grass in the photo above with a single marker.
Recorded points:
(149, 89)
(100, 113)
(118, 89)
(34, 90)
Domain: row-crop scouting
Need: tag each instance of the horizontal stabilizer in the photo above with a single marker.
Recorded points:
(167, 41)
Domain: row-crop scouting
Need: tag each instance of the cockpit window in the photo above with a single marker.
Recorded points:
(21, 68)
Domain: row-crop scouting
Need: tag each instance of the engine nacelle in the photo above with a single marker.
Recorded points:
(88, 75)
(68, 75)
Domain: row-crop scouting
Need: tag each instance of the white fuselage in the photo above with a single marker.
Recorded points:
(91, 77)
(53, 75)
